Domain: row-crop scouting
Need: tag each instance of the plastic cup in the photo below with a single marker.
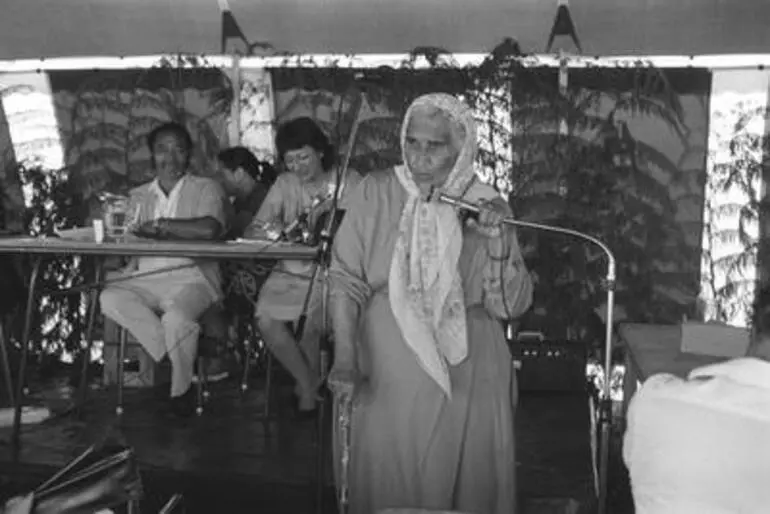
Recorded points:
(99, 231)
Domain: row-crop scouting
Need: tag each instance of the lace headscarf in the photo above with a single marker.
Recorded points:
(425, 289)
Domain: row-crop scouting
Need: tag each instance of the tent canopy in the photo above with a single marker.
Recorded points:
(46, 28)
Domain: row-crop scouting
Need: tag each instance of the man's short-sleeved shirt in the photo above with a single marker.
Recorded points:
(192, 197)
(702, 445)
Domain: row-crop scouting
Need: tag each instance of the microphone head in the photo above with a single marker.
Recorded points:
(457, 202)
(466, 210)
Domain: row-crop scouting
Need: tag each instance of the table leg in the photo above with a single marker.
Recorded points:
(6, 365)
(321, 440)
(324, 366)
(630, 379)
(24, 353)
(93, 307)
(122, 341)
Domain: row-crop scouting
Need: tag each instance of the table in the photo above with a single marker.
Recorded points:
(652, 349)
(40, 247)
(146, 247)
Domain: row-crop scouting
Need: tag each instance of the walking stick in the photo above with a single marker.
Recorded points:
(344, 415)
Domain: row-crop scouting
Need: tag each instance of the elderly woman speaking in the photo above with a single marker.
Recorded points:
(418, 297)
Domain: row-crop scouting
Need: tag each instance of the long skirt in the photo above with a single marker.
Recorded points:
(412, 447)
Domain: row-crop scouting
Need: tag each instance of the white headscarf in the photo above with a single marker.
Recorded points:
(425, 289)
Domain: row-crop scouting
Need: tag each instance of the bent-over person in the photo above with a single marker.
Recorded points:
(246, 180)
(701, 445)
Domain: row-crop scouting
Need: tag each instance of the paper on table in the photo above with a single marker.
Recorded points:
(241, 240)
(419, 511)
(714, 339)
(77, 234)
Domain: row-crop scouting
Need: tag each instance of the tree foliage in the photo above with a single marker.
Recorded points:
(735, 212)
(103, 124)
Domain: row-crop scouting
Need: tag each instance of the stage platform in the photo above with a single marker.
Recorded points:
(229, 460)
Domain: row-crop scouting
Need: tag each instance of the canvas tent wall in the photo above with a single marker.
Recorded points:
(45, 28)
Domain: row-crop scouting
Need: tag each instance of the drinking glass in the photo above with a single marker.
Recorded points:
(132, 222)
(116, 217)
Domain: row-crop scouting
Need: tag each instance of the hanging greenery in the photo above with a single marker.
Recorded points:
(54, 203)
(593, 177)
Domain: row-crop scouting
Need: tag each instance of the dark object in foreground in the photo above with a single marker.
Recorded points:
(97, 479)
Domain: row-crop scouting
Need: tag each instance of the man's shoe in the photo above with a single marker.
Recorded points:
(217, 369)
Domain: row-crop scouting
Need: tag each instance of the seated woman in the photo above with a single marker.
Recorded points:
(308, 157)
(417, 303)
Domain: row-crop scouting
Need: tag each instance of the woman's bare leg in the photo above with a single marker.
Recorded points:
(280, 341)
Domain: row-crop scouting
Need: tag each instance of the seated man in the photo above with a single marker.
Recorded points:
(246, 180)
(180, 206)
(702, 445)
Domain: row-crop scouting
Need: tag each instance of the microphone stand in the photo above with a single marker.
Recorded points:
(605, 404)
(321, 264)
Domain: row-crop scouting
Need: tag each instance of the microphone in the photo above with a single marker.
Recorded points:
(459, 203)
(605, 407)
(303, 217)
(475, 209)
(299, 220)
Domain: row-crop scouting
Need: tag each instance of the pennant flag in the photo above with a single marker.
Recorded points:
(563, 26)
(230, 28)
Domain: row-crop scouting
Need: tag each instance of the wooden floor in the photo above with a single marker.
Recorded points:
(229, 460)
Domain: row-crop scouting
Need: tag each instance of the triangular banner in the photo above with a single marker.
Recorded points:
(563, 26)
(230, 27)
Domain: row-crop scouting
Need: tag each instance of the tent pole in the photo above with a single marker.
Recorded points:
(563, 84)
(234, 127)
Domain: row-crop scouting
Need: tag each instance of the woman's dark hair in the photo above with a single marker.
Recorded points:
(300, 132)
(241, 157)
(171, 127)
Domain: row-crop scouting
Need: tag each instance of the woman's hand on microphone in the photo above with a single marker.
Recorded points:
(492, 213)
(490, 219)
